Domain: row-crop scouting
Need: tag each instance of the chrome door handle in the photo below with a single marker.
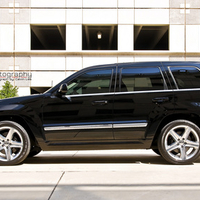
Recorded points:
(99, 103)
(160, 99)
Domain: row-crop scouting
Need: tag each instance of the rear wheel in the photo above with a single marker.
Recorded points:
(179, 142)
(14, 143)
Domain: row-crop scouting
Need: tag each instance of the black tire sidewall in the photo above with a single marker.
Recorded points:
(161, 141)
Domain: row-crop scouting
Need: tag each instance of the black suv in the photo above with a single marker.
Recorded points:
(150, 105)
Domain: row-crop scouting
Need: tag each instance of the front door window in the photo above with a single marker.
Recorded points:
(97, 81)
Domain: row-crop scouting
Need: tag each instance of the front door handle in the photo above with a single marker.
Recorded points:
(160, 99)
(99, 103)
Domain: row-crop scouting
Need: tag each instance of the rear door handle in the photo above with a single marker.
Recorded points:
(160, 99)
(99, 103)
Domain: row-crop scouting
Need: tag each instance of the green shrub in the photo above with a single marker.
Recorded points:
(8, 90)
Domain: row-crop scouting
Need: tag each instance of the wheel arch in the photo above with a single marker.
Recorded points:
(24, 124)
(180, 116)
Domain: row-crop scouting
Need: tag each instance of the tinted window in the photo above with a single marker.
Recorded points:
(139, 79)
(97, 81)
(186, 77)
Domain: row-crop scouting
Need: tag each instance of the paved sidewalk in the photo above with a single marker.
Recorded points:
(99, 175)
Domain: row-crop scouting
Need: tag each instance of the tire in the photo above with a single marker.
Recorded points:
(14, 143)
(179, 142)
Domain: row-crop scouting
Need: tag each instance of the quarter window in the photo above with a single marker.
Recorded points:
(97, 81)
(139, 79)
(186, 77)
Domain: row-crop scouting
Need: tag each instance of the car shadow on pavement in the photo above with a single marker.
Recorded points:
(96, 158)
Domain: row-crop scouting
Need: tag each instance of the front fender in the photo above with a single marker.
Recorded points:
(27, 112)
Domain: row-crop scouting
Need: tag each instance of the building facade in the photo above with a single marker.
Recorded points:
(44, 41)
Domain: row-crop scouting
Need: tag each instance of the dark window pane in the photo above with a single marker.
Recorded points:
(186, 77)
(151, 37)
(97, 81)
(139, 79)
(99, 37)
(48, 37)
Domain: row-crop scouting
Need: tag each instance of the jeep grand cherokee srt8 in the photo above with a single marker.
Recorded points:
(150, 105)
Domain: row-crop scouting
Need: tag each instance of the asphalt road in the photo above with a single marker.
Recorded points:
(99, 175)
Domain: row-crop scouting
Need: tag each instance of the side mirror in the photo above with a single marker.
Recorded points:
(63, 89)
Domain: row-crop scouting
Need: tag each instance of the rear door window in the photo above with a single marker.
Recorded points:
(186, 77)
(141, 79)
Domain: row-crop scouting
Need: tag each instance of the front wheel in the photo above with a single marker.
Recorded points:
(14, 143)
(179, 142)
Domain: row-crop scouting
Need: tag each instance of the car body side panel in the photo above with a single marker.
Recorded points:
(186, 101)
(148, 106)
(140, 107)
(26, 111)
(78, 118)
(134, 116)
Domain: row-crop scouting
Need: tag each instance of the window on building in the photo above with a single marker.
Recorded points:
(99, 37)
(48, 37)
(140, 79)
(151, 37)
(186, 77)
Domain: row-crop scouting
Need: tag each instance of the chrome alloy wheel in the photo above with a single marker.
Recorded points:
(11, 143)
(181, 142)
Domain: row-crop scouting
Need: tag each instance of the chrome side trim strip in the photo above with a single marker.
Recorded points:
(132, 92)
(189, 89)
(62, 128)
(144, 91)
(90, 94)
(118, 93)
(99, 126)
(130, 125)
